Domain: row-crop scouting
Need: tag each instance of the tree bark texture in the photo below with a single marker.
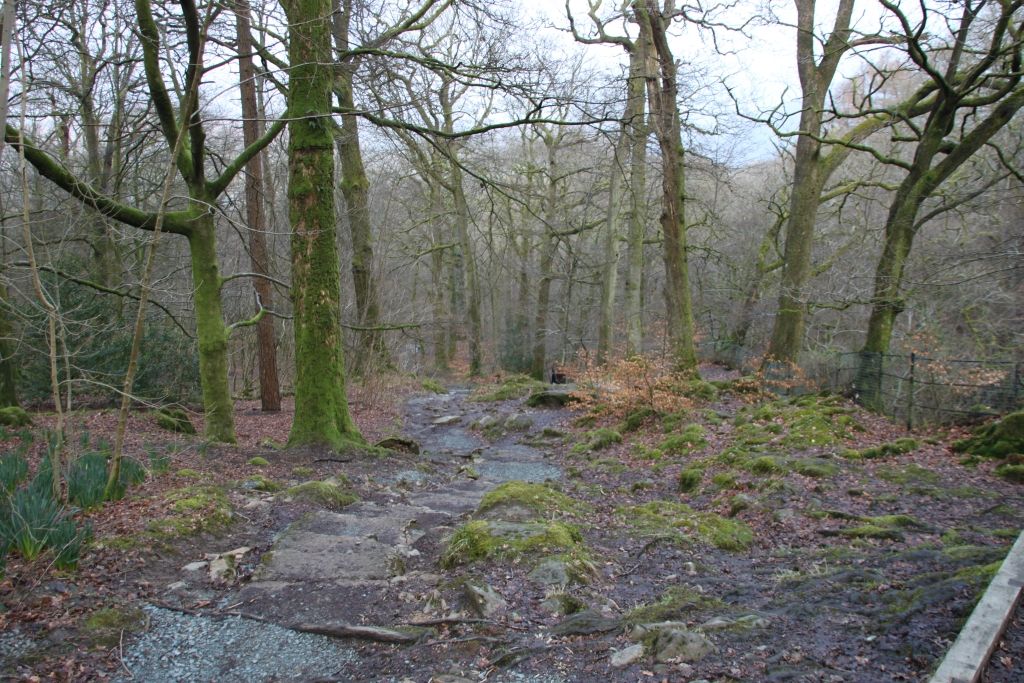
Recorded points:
(321, 406)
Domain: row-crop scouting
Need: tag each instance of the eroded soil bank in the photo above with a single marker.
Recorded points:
(742, 537)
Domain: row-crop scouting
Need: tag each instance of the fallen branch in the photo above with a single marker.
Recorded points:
(342, 630)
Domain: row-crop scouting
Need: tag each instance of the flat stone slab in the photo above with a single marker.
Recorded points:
(502, 471)
(307, 556)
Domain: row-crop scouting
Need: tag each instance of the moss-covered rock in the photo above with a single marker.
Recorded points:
(551, 399)
(14, 416)
(174, 419)
(682, 523)
(482, 540)
(194, 509)
(258, 461)
(997, 439)
(520, 500)
(329, 493)
(678, 602)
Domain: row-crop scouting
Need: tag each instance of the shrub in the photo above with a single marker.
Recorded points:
(28, 521)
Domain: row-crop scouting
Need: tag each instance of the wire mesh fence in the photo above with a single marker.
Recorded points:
(911, 388)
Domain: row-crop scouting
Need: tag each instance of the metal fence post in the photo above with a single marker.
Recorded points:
(910, 392)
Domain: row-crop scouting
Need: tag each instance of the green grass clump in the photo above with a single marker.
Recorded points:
(514, 386)
(635, 419)
(258, 461)
(1012, 472)
(482, 540)
(32, 523)
(725, 480)
(681, 523)
(598, 439)
(433, 386)
(542, 500)
(764, 465)
(689, 479)
(328, 494)
(687, 441)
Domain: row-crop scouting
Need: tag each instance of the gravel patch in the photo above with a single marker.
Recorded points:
(182, 647)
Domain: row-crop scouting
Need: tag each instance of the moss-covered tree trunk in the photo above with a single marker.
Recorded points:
(355, 187)
(8, 369)
(809, 175)
(538, 364)
(637, 128)
(321, 406)
(610, 255)
(665, 110)
(211, 332)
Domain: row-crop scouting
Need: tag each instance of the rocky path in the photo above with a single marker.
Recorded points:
(358, 572)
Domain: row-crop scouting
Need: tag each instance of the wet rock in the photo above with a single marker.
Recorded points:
(518, 423)
(483, 601)
(563, 604)
(586, 622)
(195, 566)
(487, 422)
(627, 656)
(551, 572)
(446, 420)
(223, 567)
(680, 644)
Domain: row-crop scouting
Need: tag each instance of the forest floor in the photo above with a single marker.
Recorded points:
(741, 537)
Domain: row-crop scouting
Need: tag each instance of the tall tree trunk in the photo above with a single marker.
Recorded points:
(610, 256)
(538, 365)
(321, 405)
(637, 128)
(355, 188)
(252, 129)
(439, 313)
(468, 260)
(664, 107)
(8, 369)
(809, 174)
(211, 330)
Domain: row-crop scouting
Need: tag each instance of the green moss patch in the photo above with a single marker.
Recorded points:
(538, 499)
(690, 479)
(997, 439)
(484, 540)
(104, 627)
(598, 439)
(433, 386)
(1011, 471)
(195, 509)
(814, 467)
(634, 420)
(897, 447)
(910, 474)
(690, 439)
(174, 419)
(329, 493)
(676, 603)
(258, 461)
(682, 523)
(795, 424)
(14, 416)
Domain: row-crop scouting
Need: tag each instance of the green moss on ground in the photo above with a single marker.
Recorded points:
(676, 603)
(258, 461)
(539, 498)
(634, 420)
(174, 419)
(329, 493)
(195, 509)
(682, 523)
(817, 468)
(897, 447)
(598, 439)
(908, 475)
(14, 416)
(105, 627)
(479, 539)
(997, 439)
(1011, 471)
(690, 439)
